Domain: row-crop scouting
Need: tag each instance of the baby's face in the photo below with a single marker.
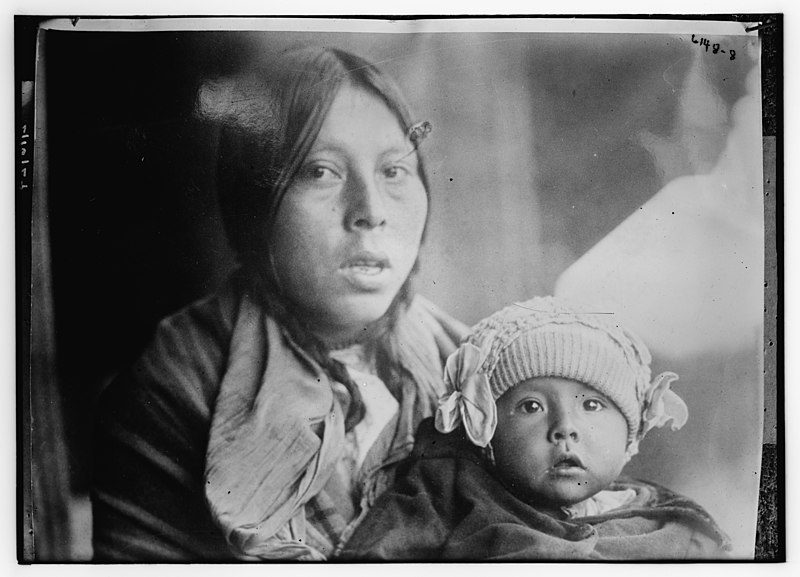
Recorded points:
(558, 441)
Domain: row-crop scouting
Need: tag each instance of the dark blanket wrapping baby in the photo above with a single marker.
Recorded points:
(447, 505)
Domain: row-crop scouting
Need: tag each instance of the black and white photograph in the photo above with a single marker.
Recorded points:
(408, 290)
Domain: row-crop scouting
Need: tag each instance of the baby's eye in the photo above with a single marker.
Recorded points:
(531, 406)
(593, 405)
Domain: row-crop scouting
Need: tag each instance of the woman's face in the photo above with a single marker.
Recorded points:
(349, 228)
(558, 441)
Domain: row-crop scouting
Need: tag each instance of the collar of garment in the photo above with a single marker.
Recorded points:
(602, 502)
(379, 404)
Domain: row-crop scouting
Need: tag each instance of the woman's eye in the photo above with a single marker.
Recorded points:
(593, 405)
(395, 172)
(318, 173)
(530, 406)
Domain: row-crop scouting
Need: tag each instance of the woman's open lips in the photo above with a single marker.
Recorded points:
(365, 270)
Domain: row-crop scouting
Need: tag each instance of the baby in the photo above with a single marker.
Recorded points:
(546, 405)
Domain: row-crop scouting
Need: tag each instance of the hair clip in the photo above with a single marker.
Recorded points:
(419, 132)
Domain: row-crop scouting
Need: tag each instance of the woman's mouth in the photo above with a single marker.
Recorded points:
(367, 262)
(365, 269)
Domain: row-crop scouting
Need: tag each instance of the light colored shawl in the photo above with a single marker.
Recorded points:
(264, 461)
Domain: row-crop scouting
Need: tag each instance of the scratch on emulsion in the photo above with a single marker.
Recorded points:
(520, 305)
(667, 69)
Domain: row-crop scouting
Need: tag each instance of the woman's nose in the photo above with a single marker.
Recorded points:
(563, 428)
(366, 206)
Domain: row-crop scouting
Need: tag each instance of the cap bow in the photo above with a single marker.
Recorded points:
(470, 401)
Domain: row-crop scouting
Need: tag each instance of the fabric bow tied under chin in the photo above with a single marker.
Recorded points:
(470, 401)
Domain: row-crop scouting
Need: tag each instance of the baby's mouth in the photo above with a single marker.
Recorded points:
(568, 462)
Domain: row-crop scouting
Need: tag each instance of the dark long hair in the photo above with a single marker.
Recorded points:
(275, 114)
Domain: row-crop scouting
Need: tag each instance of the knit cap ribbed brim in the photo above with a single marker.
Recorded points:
(546, 337)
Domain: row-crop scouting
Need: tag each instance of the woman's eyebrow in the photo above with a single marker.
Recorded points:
(327, 146)
(403, 152)
(398, 150)
(394, 152)
(401, 146)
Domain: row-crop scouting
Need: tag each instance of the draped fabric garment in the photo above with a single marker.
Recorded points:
(212, 445)
(447, 505)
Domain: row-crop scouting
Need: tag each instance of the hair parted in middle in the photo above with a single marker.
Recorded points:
(270, 117)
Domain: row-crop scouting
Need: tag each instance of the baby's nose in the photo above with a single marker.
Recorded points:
(563, 428)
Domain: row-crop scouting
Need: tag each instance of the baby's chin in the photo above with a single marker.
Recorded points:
(555, 500)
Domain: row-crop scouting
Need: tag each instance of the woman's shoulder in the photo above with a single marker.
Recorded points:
(209, 318)
(442, 324)
(185, 356)
(151, 430)
(433, 333)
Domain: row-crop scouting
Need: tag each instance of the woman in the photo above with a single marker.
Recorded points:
(263, 422)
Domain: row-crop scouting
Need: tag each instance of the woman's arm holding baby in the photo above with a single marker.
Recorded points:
(414, 519)
(404, 523)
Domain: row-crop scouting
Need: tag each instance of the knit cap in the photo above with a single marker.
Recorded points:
(548, 337)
